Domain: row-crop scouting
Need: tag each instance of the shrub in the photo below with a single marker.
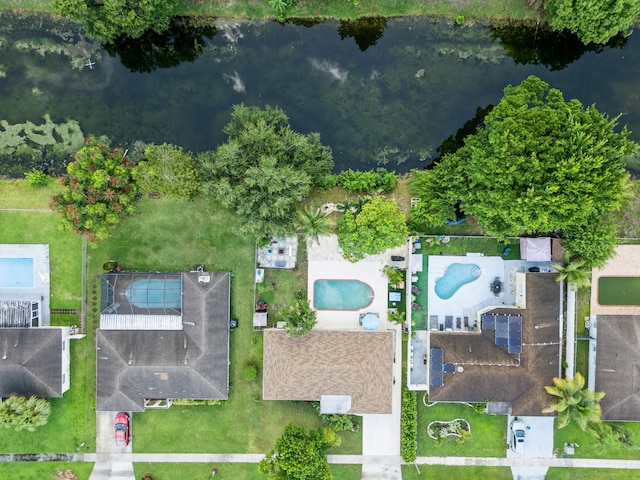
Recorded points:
(36, 178)
(409, 426)
(250, 373)
(372, 181)
(394, 275)
(192, 402)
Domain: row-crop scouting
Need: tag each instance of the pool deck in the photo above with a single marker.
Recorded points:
(625, 263)
(40, 290)
(326, 262)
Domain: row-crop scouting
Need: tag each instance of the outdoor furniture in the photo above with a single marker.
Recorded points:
(506, 251)
(448, 322)
(496, 286)
(415, 290)
(415, 306)
(433, 322)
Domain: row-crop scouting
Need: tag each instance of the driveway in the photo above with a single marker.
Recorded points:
(108, 465)
(538, 443)
(381, 433)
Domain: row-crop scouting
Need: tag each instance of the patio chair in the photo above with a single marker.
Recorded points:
(415, 290)
(415, 306)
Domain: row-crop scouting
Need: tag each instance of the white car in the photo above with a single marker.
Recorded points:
(517, 434)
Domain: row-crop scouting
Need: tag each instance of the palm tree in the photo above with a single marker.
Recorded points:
(24, 413)
(574, 272)
(575, 402)
(313, 223)
(346, 205)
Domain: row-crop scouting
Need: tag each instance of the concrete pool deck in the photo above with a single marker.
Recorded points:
(625, 263)
(41, 288)
(327, 263)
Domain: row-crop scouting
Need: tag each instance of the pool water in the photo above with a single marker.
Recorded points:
(16, 272)
(155, 293)
(619, 291)
(341, 294)
(456, 275)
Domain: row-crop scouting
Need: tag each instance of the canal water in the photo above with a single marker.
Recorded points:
(388, 92)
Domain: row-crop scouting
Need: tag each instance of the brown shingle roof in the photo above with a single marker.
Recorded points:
(352, 363)
(490, 372)
(618, 366)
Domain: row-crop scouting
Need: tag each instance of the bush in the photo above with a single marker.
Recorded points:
(372, 181)
(395, 275)
(191, 402)
(37, 178)
(409, 426)
(250, 373)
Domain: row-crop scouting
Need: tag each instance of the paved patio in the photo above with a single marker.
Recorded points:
(326, 262)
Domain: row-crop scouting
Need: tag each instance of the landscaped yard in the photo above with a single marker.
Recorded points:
(588, 448)
(226, 471)
(488, 432)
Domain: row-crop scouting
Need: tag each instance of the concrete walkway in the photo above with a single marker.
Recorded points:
(379, 460)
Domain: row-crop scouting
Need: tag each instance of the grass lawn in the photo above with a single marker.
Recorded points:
(488, 432)
(589, 448)
(42, 470)
(175, 236)
(591, 474)
(230, 471)
(19, 194)
(409, 472)
(65, 251)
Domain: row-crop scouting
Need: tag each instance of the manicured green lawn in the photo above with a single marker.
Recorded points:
(18, 194)
(42, 470)
(230, 471)
(65, 252)
(488, 432)
(589, 448)
(591, 474)
(409, 472)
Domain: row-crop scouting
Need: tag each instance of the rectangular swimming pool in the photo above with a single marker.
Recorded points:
(16, 272)
(622, 291)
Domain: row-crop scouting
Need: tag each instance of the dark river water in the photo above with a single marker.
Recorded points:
(388, 93)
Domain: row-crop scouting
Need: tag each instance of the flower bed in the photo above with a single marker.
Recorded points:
(438, 429)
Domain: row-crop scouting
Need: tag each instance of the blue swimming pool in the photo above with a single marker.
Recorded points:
(456, 275)
(16, 272)
(341, 294)
(155, 293)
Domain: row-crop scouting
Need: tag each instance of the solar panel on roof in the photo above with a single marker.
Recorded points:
(436, 382)
(488, 322)
(436, 353)
(502, 341)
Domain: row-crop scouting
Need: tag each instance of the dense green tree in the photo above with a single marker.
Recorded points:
(300, 318)
(378, 226)
(575, 402)
(264, 170)
(299, 454)
(109, 19)
(168, 170)
(594, 21)
(313, 223)
(99, 191)
(539, 165)
(22, 413)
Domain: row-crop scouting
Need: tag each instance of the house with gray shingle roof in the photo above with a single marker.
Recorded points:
(34, 357)
(344, 369)
(162, 336)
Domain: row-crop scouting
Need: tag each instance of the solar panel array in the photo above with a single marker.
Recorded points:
(436, 357)
(508, 330)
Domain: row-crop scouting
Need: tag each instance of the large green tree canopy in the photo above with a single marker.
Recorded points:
(264, 170)
(378, 226)
(594, 21)
(110, 19)
(540, 165)
(99, 191)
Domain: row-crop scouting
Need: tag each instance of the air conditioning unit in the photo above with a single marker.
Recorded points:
(204, 278)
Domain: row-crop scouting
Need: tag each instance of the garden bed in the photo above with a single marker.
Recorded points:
(438, 430)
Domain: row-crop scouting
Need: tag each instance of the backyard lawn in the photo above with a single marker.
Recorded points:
(488, 432)
(589, 448)
(591, 474)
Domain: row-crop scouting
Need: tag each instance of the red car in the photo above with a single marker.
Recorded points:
(122, 429)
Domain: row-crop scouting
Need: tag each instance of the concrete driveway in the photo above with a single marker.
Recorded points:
(108, 465)
(538, 443)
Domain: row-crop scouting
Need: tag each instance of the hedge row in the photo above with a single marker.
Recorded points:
(409, 426)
